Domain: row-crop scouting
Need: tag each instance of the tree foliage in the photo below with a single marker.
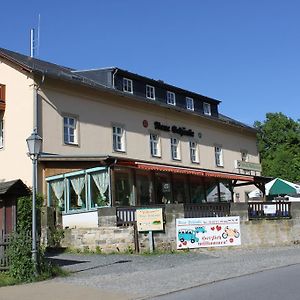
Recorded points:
(279, 146)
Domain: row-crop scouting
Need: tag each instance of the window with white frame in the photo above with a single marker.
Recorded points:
(171, 98)
(175, 149)
(194, 153)
(189, 103)
(127, 85)
(119, 138)
(244, 155)
(150, 92)
(206, 109)
(1, 132)
(70, 130)
(219, 156)
(155, 145)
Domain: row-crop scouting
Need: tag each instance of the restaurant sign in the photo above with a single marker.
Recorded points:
(149, 219)
(208, 232)
(249, 166)
(175, 129)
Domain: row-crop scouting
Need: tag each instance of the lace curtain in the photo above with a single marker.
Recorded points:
(101, 181)
(78, 185)
(58, 188)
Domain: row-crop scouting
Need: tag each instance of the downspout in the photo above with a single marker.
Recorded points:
(113, 78)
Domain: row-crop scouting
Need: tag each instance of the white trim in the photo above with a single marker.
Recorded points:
(127, 85)
(155, 145)
(195, 148)
(72, 130)
(189, 103)
(219, 156)
(151, 92)
(118, 135)
(207, 108)
(175, 148)
(171, 98)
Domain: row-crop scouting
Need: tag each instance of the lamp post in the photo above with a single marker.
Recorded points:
(34, 143)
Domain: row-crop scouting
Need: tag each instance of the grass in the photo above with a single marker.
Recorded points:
(6, 280)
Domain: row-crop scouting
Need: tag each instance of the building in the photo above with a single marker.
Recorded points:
(115, 138)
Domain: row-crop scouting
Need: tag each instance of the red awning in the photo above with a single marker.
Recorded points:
(188, 171)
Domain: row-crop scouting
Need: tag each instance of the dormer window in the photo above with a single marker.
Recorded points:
(206, 109)
(171, 98)
(189, 103)
(150, 92)
(127, 85)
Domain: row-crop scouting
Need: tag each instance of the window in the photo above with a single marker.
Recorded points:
(175, 149)
(118, 138)
(1, 133)
(194, 152)
(244, 155)
(206, 109)
(155, 145)
(219, 156)
(189, 103)
(2, 92)
(171, 98)
(83, 190)
(127, 85)
(70, 130)
(150, 92)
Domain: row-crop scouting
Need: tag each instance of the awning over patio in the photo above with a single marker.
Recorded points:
(188, 171)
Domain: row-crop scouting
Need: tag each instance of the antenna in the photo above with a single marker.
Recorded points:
(35, 46)
(38, 36)
(32, 45)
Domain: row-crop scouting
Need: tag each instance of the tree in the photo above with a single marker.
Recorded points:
(279, 146)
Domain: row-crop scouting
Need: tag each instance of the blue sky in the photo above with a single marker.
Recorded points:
(244, 53)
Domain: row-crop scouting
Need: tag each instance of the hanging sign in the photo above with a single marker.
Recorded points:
(208, 232)
(149, 219)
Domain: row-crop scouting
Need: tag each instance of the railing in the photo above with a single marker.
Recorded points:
(269, 210)
(200, 210)
(4, 243)
(126, 215)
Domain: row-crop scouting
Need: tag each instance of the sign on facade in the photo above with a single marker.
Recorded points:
(269, 209)
(249, 166)
(149, 219)
(208, 232)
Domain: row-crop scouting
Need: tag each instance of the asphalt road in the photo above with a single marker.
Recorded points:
(277, 284)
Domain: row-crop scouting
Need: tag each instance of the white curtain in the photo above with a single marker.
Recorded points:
(101, 181)
(58, 188)
(78, 185)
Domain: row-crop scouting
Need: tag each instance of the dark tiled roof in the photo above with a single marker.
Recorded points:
(16, 187)
(41, 67)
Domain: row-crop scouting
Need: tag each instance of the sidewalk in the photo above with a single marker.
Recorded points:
(115, 277)
(48, 290)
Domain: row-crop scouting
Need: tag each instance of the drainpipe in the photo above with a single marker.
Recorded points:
(113, 77)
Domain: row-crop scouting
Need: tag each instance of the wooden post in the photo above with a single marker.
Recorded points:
(151, 244)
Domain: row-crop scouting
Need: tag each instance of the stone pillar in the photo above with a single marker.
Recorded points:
(239, 209)
(107, 216)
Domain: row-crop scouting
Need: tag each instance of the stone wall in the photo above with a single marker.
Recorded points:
(102, 239)
(110, 238)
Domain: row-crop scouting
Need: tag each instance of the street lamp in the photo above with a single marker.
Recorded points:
(34, 143)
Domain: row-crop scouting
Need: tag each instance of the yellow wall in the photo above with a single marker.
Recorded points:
(18, 124)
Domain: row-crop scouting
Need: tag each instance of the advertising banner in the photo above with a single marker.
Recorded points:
(149, 219)
(208, 232)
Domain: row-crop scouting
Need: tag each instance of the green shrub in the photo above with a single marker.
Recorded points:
(21, 265)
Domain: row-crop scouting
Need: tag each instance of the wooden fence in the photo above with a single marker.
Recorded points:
(4, 243)
(269, 210)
